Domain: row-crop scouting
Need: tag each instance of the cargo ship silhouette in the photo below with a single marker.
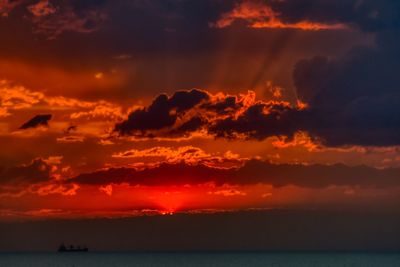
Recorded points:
(71, 248)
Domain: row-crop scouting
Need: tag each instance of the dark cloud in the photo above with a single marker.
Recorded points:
(252, 172)
(259, 121)
(351, 101)
(218, 115)
(223, 106)
(189, 126)
(37, 177)
(72, 128)
(36, 172)
(162, 113)
(179, 174)
(38, 120)
(354, 99)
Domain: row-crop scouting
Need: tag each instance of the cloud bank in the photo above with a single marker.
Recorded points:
(250, 173)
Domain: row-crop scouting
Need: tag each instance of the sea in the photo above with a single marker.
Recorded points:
(94, 259)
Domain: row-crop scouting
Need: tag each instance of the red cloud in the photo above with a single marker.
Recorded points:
(42, 8)
(6, 6)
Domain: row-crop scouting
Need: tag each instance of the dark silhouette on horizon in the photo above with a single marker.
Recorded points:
(71, 248)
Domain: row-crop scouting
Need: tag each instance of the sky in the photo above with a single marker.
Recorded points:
(127, 108)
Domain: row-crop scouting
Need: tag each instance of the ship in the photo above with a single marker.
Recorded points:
(71, 248)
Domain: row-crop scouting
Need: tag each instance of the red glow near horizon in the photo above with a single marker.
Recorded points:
(169, 202)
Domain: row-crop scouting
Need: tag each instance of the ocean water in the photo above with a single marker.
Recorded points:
(199, 259)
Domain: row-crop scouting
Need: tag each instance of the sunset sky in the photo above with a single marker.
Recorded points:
(120, 108)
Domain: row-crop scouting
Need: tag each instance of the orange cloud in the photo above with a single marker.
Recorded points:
(99, 75)
(188, 154)
(299, 139)
(107, 189)
(260, 15)
(15, 97)
(100, 109)
(53, 160)
(71, 139)
(90, 118)
(55, 188)
(228, 193)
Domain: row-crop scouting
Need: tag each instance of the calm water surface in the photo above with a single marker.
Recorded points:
(199, 259)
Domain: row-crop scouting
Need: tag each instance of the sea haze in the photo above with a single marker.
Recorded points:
(201, 259)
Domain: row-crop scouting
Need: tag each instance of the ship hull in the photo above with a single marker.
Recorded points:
(73, 250)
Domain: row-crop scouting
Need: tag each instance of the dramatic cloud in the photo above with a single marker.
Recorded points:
(343, 101)
(38, 120)
(219, 115)
(260, 121)
(162, 113)
(311, 81)
(260, 15)
(348, 102)
(252, 172)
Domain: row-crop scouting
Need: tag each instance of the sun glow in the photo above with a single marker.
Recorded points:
(169, 200)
